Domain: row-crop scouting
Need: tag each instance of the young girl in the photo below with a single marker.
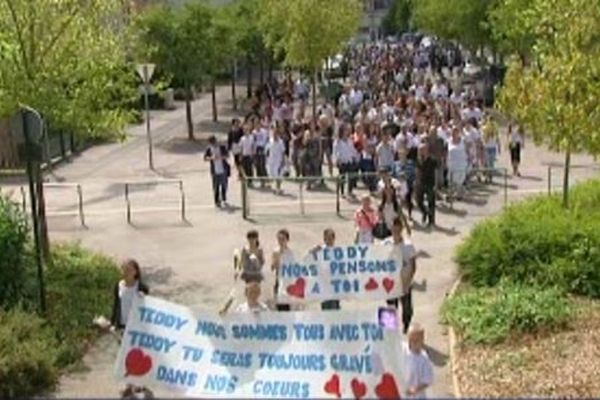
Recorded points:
(125, 292)
(252, 259)
(515, 144)
(365, 218)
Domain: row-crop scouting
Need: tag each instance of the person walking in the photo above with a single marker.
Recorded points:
(248, 151)
(252, 303)
(251, 259)
(234, 136)
(515, 145)
(219, 170)
(491, 141)
(346, 158)
(457, 164)
(328, 242)
(418, 372)
(282, 255)
(404, 255)
(125, 291)
(276, 158)
(425, 184)
(365, 219)
(261, 138)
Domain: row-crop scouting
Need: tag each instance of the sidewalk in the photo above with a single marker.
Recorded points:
(190, 262)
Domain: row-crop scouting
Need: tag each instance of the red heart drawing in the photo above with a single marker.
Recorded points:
(332, 386)
(371, 284)
(297, 289)
(137, 363)
(388, 284)
(358, 388)
(387, 389)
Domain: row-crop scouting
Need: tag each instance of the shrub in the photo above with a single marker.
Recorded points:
(14, 256)
(538, 242)
(491, 315)
(28, 354)
(80, 286)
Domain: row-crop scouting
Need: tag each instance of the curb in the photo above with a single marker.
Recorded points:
(453, 341)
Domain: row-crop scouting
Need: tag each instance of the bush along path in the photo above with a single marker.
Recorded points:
(35, 349)
(528, 310)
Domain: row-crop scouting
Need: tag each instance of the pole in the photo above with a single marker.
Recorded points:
(505, 187)
(34, 217)
(147, 105)
(549, 180)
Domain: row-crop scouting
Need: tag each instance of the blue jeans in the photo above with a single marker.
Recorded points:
(219, 187)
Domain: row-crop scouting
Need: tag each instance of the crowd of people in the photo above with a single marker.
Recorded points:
(405, 126)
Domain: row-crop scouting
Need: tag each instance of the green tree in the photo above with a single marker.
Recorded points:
(309, 32)
(461, 20)
(399, 17)
(511, 27)
(179, 42)
(67, 60)
(556, 97)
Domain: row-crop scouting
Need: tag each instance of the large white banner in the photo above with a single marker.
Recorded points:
(345, 354)
(344, 272)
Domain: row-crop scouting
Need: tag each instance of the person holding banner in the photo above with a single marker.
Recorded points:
(282, 255)
(125, 291)
(405, 255)
(328, 242)
(418, 367)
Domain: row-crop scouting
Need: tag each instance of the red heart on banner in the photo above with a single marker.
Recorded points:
(371, 284)
(137, 363)
(358, 388)
(297, 289)
(388, 284)
(387, 389)
(332, 386)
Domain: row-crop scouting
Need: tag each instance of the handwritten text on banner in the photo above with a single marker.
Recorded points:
(276, 355)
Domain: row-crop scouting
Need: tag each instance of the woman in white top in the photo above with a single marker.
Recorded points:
(457, 163)
(125, 292)
(252, 303)
(276, 158)
(281, 256)
(515, 144)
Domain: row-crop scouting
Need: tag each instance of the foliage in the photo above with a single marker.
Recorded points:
(399, 16)
(462, 20)
(538, 242)
(80, 286)
(492, 315)
(28, 355)
(556, 97)
(14, 251)
(309, 32)
(512, 27)
(67, 60)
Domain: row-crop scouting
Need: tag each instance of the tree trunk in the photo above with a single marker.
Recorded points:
(213, 90)
(188, 112)
(314, 97)
(270, 76)
(566, 178)
(248, 77)
(233, 80)
(261, 67)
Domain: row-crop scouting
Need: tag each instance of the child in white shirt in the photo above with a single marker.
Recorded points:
(418, 367)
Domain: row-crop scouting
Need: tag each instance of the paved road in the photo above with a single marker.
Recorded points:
(189, 261)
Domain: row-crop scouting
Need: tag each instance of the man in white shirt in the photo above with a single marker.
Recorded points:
(346, 158)
(248, 151)
(471, 112)
(252, 303)
(418, 369)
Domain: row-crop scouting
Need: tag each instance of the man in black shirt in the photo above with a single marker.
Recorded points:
(425, 184)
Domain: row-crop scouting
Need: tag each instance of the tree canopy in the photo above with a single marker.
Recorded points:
(556, 97)
(67, 60)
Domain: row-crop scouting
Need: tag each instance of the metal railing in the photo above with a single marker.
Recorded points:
(178, 182)
(56, 185)
(340, 180)
(551, 168)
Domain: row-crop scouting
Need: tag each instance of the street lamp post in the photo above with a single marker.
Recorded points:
(27, 125)
(145, 72)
